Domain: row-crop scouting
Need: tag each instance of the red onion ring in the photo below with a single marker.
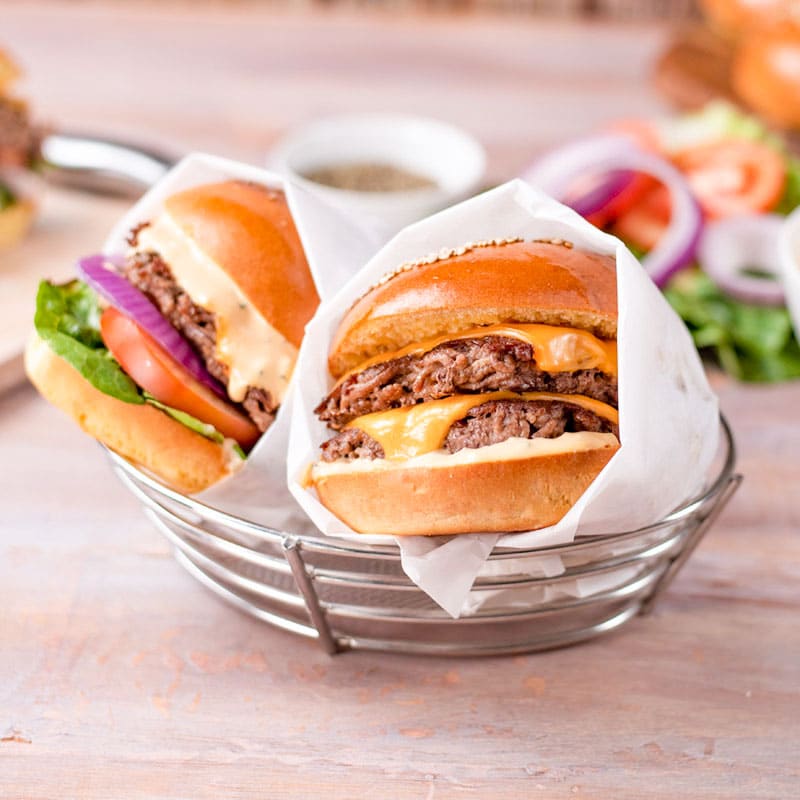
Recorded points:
(597, 199)
(607, 154)
(729, 246)
(134, 304)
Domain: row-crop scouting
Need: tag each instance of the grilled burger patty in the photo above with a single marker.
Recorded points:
(463, 366)
(19, 140)
(148, 273)
(488, 423)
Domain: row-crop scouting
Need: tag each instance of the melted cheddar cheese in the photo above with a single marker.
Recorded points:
(555, 348)
(416, 430)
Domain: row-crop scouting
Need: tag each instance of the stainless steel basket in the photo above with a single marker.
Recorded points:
(356, 596)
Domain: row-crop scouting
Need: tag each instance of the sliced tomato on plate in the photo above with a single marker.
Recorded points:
(644, 223)
(639, 186)
(734, 176)
(152, 368)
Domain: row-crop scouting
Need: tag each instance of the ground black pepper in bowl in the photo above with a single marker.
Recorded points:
(369, 177)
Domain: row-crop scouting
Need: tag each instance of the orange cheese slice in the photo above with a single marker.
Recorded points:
(555, 349)
(420, 429)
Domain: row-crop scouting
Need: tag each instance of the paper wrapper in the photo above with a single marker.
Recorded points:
(668, 414)
(335, 246)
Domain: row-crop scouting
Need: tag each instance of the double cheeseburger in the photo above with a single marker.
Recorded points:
(181, 357)
(475, 391)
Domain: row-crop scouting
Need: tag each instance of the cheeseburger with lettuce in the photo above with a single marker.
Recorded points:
(178, 353)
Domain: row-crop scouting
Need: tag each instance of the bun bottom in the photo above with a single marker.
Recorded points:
(184, 459)
(497, 496)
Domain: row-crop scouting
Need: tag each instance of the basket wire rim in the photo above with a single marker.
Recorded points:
(325, 576)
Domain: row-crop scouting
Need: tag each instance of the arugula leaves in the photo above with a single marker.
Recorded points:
(752, 343)
(68, 319)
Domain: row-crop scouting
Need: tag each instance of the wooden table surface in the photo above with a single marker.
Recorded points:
(121, 678)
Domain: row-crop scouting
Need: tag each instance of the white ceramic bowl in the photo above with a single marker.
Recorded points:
(447, 155)
(790, 265)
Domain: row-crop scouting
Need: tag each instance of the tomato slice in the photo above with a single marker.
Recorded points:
(633, 194)
(734, 176)
(644, 224)
(152, 368)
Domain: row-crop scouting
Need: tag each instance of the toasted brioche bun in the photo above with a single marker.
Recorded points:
(766, 76)
(499, 488)
(248, 231)
(525, 282)
(15, 222)
(141, 433)
(483, 496)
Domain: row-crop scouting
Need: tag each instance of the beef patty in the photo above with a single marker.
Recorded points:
(489, 423)
(19, 140)
(462, 366)
(151, 275)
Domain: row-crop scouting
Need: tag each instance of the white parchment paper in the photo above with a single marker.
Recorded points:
(668, 414)
(335, 247)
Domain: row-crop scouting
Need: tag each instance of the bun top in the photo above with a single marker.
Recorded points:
(248, 231)
(551, 283)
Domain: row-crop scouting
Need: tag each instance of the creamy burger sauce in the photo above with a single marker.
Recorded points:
(255, 353)
(404, 433)
(556, 348)
(509, 450)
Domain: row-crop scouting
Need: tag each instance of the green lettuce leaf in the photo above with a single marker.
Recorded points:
(752, 343)
(718, 120)
(67, 318)
(790, 198)
(203, 428)
(7, 197)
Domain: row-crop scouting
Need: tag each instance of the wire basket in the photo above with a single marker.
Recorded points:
(356, 596)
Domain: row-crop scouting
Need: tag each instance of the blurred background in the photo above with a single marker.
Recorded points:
(233, 76)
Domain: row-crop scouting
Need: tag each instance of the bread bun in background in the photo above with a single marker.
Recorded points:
(745, 53)
(510, 485)
(766, 72)
(733, 18)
